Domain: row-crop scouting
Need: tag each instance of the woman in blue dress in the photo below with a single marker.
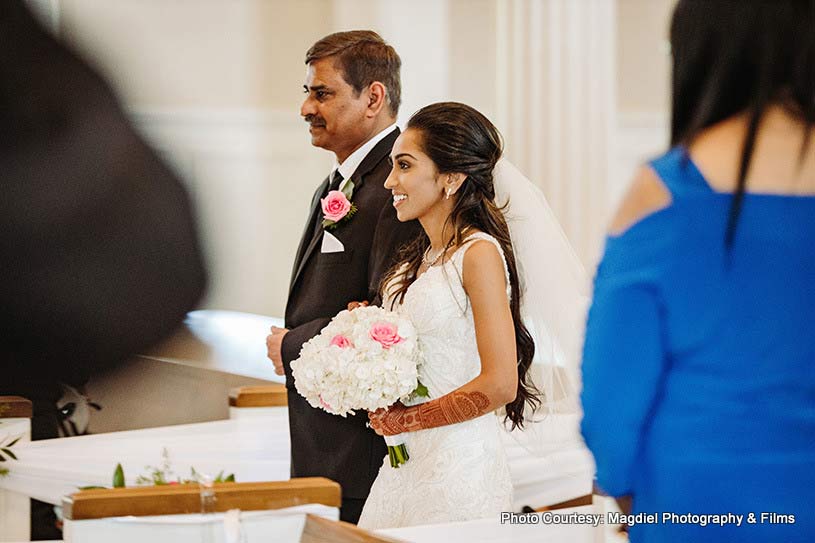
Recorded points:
(699, 361)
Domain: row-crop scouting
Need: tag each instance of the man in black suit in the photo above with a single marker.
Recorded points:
(353, 95)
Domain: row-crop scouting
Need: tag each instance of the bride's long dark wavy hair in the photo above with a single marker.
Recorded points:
(459, 139)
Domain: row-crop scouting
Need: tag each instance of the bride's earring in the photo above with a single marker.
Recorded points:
(448, 191)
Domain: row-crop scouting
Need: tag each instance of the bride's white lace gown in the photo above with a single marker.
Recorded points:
(459, 471)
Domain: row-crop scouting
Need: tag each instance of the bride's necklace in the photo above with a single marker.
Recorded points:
(431, 261)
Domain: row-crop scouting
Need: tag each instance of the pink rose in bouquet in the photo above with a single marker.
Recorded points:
(341, 341)
(385, 333)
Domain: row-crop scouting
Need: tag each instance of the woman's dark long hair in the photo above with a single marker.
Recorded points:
(735, 56)
(459, 139)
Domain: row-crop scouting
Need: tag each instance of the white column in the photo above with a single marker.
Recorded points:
(555, 92)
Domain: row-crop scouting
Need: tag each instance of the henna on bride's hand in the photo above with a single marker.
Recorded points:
(449, 409)
(375, 420)
(398, 419)
(453, 408)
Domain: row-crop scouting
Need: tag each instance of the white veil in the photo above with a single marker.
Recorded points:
(554, 299)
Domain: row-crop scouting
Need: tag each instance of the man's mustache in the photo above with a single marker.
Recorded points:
(314, 120)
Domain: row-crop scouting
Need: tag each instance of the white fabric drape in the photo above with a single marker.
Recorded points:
(555, 96)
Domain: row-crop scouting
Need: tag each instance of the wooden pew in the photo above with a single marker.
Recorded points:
(250, 401)
(259, 396)
(586, 499)
(183, 499)
(172, 513)
(15, 407)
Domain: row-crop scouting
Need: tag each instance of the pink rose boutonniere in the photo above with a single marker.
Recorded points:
(338, 207)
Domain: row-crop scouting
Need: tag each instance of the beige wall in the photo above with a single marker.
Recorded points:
(643, 58)
(200, 53)
(473, 42)
(643, 88)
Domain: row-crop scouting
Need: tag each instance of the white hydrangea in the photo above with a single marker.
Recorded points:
(367, 359)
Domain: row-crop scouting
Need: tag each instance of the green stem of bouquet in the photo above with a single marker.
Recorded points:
(398, 455)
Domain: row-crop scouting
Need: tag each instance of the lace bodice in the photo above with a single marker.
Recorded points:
(440, 310)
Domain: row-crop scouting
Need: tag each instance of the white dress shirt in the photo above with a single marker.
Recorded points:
(350, 165)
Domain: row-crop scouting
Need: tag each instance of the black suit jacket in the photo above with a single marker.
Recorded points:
(322, 284)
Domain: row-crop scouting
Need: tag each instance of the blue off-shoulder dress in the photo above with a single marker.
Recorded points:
(699, 364)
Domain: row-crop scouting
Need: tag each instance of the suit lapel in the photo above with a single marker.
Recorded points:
(310, 237)
(309, 241)
(380, 151)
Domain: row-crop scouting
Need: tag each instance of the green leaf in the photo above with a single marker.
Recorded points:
(92, 487)
(15, 441)
(9, 454)
(421, 390)
(348, 189)
(230, 478)
(119, 477)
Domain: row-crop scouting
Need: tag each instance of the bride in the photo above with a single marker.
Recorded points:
(459, 284)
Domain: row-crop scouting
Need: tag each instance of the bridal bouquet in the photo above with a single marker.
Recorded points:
(368, 359)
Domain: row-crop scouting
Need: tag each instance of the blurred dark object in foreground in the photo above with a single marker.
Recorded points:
(99, 256)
